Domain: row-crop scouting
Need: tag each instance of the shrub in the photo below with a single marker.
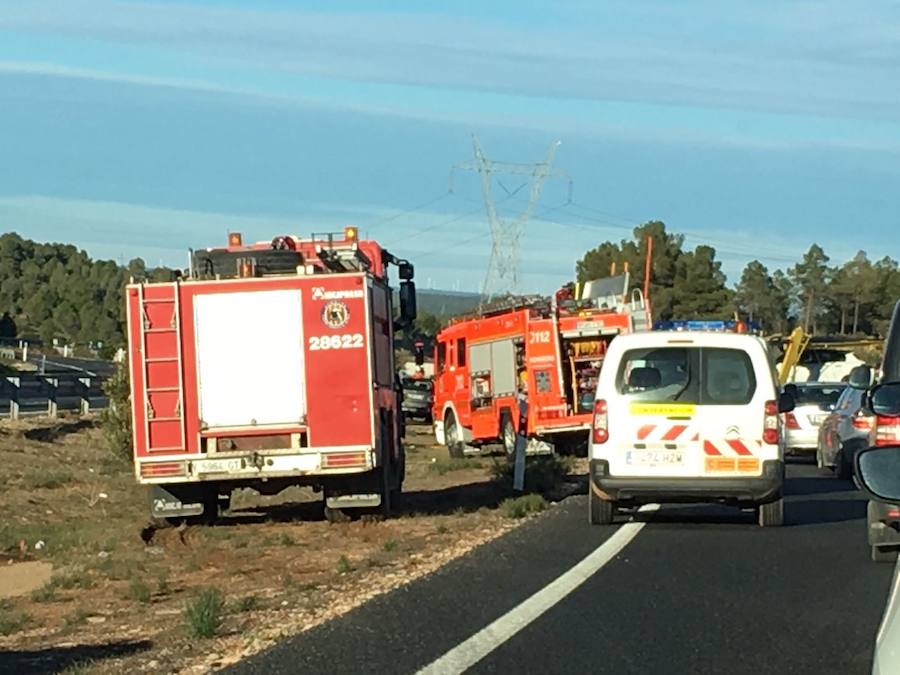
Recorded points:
(247, 604)
(390, 545)
(519, 507)
(13, 622)
(344, 566)
(454, 464)
(204, 615)
(138, 590)
(542, 474)
(47, 480)
(116, 419)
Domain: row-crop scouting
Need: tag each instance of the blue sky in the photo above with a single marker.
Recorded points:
(145, 128)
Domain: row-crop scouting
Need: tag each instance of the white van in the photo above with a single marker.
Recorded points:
(687, 417)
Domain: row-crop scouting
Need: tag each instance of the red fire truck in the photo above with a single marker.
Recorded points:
(547, 352)
(270, 365)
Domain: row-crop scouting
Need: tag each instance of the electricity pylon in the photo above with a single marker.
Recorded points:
(502, 276)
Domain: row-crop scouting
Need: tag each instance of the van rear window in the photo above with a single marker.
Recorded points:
(699, 375)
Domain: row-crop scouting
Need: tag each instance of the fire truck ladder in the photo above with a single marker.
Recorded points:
(349, 259)
(164, 296)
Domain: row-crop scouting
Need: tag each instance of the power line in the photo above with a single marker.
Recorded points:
(413, 209)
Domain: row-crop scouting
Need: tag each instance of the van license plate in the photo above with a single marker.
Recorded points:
(654, 457)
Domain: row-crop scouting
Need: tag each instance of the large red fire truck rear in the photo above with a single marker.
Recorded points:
(545, 352)
(270, 365)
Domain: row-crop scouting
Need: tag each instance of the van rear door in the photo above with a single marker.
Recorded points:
(684, 410)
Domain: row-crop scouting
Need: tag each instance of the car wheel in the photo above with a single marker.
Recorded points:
(841, 466)
(771, 514)
(885, 554)
(600, 511)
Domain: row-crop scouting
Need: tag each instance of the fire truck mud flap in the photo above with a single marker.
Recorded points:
(168, 503)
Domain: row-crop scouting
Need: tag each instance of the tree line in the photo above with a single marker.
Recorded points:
(57, 292)
(856, 297)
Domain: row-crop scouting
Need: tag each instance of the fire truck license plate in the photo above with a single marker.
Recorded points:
(217, 466)
(654, 457)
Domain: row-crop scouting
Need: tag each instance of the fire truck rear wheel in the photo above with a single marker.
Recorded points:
(508, 434)
(453, 436)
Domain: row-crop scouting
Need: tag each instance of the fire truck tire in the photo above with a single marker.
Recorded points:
(453, 436)
(508, 435)
(600, 511)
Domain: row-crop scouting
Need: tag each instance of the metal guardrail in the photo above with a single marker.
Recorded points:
(49, 395)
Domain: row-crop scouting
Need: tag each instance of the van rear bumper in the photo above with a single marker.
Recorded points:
(761, 489)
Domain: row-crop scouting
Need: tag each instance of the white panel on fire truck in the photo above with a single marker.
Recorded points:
(503, 367)
(250, 358)
(480, 357)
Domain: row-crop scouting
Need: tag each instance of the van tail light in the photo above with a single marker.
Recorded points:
(771, 434)
(791, 421)
(887, 430)
(601, 422)
(862, 421)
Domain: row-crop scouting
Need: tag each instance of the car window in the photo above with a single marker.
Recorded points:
(818, 395)
(728, 377)
(844, 400)
(707, 376)
(417, 385)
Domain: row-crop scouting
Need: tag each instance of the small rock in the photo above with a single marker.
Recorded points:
(49, 512)
(284, 603)
(96, 619)
(103, 555)
(103, 495)
(155, 550)
(38, 545)
(152, 665)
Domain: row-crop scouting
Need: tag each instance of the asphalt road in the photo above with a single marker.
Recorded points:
(697, 590)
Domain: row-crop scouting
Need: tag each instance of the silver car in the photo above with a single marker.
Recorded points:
(814, 402)
(843, 433)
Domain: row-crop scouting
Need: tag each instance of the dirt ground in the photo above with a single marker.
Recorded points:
(84, 587)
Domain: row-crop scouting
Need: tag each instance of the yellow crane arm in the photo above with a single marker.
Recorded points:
(796, 344)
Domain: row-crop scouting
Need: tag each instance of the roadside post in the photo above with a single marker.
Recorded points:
(521, 443)
(84, 393)
(14, 384)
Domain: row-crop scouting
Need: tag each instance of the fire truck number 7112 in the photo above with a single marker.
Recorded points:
(323, 342)
(540, 337)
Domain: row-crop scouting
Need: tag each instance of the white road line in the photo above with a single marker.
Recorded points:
(468, 653)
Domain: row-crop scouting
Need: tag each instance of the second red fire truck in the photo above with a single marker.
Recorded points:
(545, 351)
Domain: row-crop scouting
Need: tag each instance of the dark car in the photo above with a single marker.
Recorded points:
(844, 433)
(418, 397)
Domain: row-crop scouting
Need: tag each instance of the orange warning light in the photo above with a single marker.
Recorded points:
(351, 233)
(235, 239)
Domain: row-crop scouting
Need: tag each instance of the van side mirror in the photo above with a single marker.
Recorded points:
(786, 402)
(884, 399)
(878, 472)
(860, 377)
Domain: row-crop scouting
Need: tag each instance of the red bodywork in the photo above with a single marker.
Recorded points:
(554, 355)
(340, 342)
